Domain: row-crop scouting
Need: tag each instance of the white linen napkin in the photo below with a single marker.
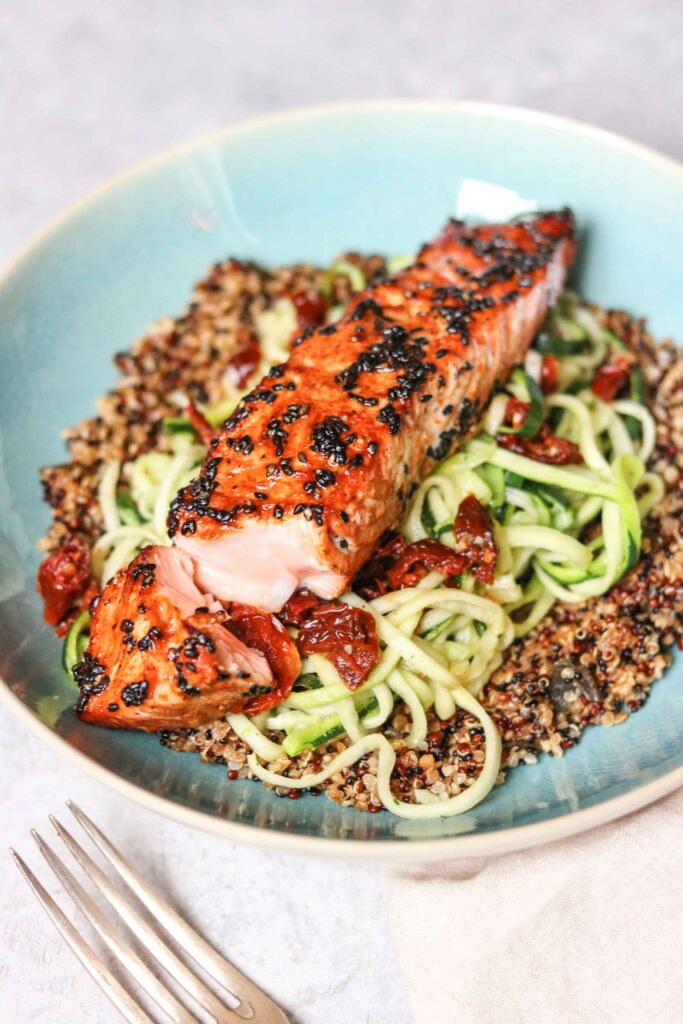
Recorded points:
(587, 930)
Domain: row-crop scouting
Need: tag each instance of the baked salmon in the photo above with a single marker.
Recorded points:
(324, 455)
(162, 655)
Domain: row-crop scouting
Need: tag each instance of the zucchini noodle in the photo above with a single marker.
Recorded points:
(343, 268)
(627, 407)
(248, 731)
(386, 755)
(564, 533)
(585, 437)
(408, 694)
(107, 496)
(275, 328)
(385, 705)
(153, 479)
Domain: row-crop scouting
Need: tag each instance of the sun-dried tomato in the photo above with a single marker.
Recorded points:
(544, 447)
(611, 378)
(299, 608)
(371, 580)
(63, 578)
(346, 636)
(266, 634)
(200, 423)
(246, 358)
(475, 539)
(422, 557)
(516, 412)
(397, 565)
(79, 605)
(549, 374)
(311, 308)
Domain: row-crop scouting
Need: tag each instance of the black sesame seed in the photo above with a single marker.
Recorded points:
(364, 307)
(135, 693)
(363, 399)
(245, 445)
(327, 439)
(295, 412)
(325, 477)
(277, 434)
(391, 418)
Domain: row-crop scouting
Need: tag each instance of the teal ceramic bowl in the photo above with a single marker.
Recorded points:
(303, 187)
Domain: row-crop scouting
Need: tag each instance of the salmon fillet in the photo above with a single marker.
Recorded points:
(162, 655)
(324, 455)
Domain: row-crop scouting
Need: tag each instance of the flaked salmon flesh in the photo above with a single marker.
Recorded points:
(160, 655)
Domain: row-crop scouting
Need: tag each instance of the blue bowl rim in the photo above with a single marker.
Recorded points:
(473, 845)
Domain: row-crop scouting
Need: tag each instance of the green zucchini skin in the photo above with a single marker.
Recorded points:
(312, 736)
(72, 650)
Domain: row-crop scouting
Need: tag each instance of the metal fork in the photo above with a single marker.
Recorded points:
(248, 1001)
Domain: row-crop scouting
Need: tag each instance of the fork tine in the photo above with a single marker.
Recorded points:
(131, 961)
(144, 932)
(253, 1002)
(112, 988)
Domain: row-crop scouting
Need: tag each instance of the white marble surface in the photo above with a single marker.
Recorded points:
(85, 90)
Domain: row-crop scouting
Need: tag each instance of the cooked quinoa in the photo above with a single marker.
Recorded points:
(583, 665)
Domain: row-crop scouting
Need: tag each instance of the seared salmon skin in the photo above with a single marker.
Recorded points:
(163, 656)
(324, 455)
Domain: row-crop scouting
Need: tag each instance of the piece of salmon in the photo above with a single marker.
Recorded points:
(324, 455)
(162, 654)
